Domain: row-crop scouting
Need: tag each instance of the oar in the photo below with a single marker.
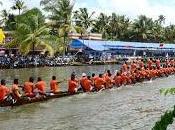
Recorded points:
(62, 81)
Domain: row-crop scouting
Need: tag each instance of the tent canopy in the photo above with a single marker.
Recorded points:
(112, 45)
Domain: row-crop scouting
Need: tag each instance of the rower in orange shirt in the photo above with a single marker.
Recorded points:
(133, 66)
(100, 83)
(118, 79)
(29, 87)
(94, 77)
(41, 86)
(15, 90)
(108, 80)
(158, 64)
(4, 91)
(82, 81)
(88, 86)
(124, 67)
(72, 85)
(150, 63)
(141, 64)
(54, 85)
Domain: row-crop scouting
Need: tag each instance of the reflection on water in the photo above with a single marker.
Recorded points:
(131, 107)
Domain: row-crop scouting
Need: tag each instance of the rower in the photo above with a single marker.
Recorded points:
(15, 90)
(54, 85)
(100, 84)
(124, 67)
(158, 63)
(29, 87)
(94, 77)
(82, 81)
(88, 85)
(108, 79)
(4, 91)
(72, 85)
(41, 86)
(149, 63)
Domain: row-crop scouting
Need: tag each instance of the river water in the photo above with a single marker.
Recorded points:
(132, 107)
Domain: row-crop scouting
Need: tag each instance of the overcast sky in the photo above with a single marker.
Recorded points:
(130, 8)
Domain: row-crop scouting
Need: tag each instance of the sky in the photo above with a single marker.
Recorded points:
(130, 8)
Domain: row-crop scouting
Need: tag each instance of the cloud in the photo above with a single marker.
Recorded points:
(133, 8)
(130, 8)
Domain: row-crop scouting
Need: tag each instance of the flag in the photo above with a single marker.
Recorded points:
(2, 36)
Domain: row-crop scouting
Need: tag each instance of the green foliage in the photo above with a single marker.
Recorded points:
(18, 5)
(167, 91)
(166, 120)
(83, 19)
(61, 18)
(31, 33)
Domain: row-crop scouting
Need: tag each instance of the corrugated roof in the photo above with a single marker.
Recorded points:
(110, 45)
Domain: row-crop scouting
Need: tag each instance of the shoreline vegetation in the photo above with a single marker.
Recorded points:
(33, 29)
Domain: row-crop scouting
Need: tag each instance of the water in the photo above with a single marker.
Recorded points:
(132, 107)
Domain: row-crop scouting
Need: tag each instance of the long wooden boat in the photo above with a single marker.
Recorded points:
(25, 100)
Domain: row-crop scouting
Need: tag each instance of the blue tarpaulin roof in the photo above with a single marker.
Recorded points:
(112, 45)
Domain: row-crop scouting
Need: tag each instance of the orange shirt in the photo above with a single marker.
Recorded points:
(133, 66)
(28, 88)
(87, 85)
(15, 88)
(93, 79)
(124, 67)
(72, 86)
(158, 63)
(108, 81)
(118, 80)
(149, 64)
(99, 82)
(3, 92)
(141, 64)
(54, 86)
(41, 86)
(82, 81)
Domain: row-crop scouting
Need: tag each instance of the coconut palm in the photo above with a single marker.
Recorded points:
(61, 13)
(161, 19)
(31, 33)
(101, 25)
(169, 34)
(142, 28)
(83, 19)
(19, 5)
(4, 15)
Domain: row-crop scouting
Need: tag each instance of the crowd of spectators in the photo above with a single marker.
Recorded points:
(19, 61)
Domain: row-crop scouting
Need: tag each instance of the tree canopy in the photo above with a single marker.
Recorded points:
(61, 19)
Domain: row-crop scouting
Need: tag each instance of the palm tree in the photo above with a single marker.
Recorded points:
(101, 25)
(4, 15)
(169, 34)
(142, 28)
(118, 25)
(83, 19)
(32, 33)
(19, 5)
(161, 19)
(61, 14)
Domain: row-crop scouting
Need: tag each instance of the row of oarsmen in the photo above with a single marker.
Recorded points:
(87, 83)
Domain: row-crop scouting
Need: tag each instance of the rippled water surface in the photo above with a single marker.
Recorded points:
(134, 107)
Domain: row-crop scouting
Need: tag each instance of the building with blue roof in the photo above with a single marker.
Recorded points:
(96, 47)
